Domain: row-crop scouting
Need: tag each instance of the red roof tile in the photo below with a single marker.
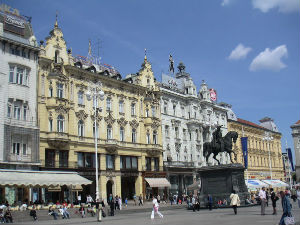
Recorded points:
(249, 123)
(298, 122)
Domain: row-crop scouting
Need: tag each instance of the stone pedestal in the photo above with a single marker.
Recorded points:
(220, 180)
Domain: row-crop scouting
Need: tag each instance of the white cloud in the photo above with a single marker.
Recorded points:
(225, 2)
(284, 6)
(270, 59)
(240, 52)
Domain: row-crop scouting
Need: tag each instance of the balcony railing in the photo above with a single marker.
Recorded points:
(23, 123)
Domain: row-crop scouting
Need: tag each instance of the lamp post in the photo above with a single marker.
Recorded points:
(269, 138)
(94, 93)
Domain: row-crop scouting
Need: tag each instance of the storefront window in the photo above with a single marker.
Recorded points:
(148, 164)
(110, 162)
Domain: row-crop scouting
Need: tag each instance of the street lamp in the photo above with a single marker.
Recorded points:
(269, 138)
(94, 93)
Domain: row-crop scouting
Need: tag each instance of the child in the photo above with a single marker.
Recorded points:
(126, 202)
(33, 213)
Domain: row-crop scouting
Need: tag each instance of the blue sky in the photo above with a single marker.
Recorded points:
(257, 81)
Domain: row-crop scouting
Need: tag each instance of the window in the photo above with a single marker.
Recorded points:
(110, 162)
(50, 91)
(16, 148)
(133, 109)
(121, 106)
(95, 130)
(26, 81)
(122, 134)
(174, 110)
(19, 76)
(109, 132)
(17, 112)
(148, 138)
(11, 74)
(155, 137)
(87, 160)
(80, 98)
(148, 164)
(176, 132)
(128, 162)
(165, 109)
(156, 164)
(108, 104)
(63, 159)
(24, 149)
(184, 134)
(50, 124)
(56, 56)
(147, 112)
(167, 131)
(80, 128)
(25, 109)
(133, 136)
(50, 158)
(8, 110)
(190, 136)
(60, 123)
(182, 112)
(60, 90)
(153, 111)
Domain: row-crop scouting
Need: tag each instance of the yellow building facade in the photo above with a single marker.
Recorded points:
(258, 150)
(128, 122)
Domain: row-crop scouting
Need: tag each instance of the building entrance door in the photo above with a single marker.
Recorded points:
(109, 186)
(128, 187)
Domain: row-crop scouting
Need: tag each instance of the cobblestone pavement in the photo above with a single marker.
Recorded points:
(181, 216)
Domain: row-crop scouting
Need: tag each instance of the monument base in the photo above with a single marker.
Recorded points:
(219, 181)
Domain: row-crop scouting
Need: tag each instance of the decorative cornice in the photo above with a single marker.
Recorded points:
(61, 109)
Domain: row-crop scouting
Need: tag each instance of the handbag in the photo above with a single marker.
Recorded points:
(289, 220)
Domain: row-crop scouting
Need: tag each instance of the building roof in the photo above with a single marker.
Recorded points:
(298, 122)
(249, 123)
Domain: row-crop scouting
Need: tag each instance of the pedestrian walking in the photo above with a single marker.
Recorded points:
(262, 196)
(155, 208)
(194, 203)
(112, 207)
(126, 202)
(141, 200)
(298, 196)
(120, 203)
(267, 197)
(274, 199)
(33, 213)
(235, 201)
(210, 202)
(82, 211)
(134, 199)
(286, 208)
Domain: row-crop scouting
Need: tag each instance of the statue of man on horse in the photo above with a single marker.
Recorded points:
(220, 144)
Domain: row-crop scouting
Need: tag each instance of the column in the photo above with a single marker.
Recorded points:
(161, 163)
(118, 187)
(102, 187)
(139, 185)
(102, 165)
(56, 158)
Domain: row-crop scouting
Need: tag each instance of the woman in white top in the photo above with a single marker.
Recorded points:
(235, 201)
(155, 208)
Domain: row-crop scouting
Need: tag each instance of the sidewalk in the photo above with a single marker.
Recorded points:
(23, 216)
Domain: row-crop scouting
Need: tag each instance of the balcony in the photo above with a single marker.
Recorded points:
(58, 139)
(111, 145)
(20, 123)
(194, 121)
(179, 164)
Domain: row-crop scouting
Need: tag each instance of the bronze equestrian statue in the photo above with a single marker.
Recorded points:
(220, 144)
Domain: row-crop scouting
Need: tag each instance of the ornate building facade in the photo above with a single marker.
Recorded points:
(259, 148)
(296, 137)
(19, 132)
(128, 122)
(188, 120)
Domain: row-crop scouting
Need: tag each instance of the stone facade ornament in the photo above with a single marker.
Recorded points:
(98, 117)
(109, 119)
(155, 125)
(61, 109)
(81, 115)
(134, 124)
(122, 122)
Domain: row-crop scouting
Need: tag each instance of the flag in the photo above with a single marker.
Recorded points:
(289, 152)
(245, 150)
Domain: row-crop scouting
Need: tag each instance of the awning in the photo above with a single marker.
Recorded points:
(194, 186)
(276, 183)
(158, 182)
(255, 184)
(40, 178)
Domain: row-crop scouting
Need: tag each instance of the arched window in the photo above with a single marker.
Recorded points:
(109, 132)
(95, 130)
(60, 123)
(133, 136)
(155, 137)
(148, 138)
(121, 106)
(122, 134)
(56, 57)
(80, 128)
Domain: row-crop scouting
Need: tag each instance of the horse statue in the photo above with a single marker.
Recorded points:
(223, 144)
